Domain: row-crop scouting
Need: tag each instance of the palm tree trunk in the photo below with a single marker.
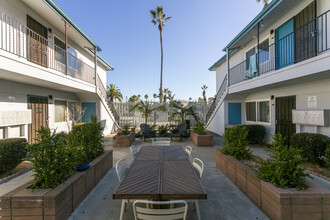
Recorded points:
(161, 68)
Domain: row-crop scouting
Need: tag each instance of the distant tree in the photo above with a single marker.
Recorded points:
(146, 96)
(146, 109)
(204, 88)
(134, 98)
(114, 93)
(266, 2)
(158, 17)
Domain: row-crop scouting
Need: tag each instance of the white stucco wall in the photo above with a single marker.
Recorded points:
(217, 124)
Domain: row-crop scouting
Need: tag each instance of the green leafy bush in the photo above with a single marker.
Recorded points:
(283, 168)
(87, 138)
(162, 130)
(256, 133)
(199, 128)
(327, 155)
(124, 130)
(236, 143)
(12, 151)
(138, 134)
(53, 162)
(313, 146)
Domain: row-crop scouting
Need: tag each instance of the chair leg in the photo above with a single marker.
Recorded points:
(197, 209)
(123, 204)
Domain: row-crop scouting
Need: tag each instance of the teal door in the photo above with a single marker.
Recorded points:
(90, 109)
(284, 38)
(234, 113)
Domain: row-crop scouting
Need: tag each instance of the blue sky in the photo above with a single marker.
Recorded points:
(193, 40)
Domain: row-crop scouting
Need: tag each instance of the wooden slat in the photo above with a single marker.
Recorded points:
(174, 153)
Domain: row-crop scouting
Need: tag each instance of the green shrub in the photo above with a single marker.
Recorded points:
(236, 143)
(163, 129)
(12, 151)
(283, 168)
(124, 130)
(138, 134)
(256, 133)
(53, 162)
(327, 155)
(87, 139)
(199, 128)
(313, 146)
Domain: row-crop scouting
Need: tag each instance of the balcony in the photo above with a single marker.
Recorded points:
(19, 40)
(306, 42)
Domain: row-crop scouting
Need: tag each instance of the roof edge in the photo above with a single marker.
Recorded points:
(273, 4)
(221, 60)
(60, 11)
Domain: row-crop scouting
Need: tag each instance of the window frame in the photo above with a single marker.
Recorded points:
(266, 60)
(60, 39)
(257, 111)
(67, 118)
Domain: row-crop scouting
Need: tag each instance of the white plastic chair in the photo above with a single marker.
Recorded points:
(188, 150)
(134, 150)
(172, 210)
(121, 170)
(198, 166)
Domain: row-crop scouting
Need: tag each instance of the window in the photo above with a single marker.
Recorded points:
(258, 111)
(60, 111)
(263, 111)
(248, 55)
(59, 50)
(72, 58)
(264, 51)
(250, 111)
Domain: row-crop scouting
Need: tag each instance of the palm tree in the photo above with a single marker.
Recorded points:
(146, 109)
(114, 93)
(264, 1)
(166, 92)
(204, 88)
(182, 111)
(146, 96)
(133, 98)
(158, 17)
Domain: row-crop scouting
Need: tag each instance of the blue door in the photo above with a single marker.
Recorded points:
(90, 109)
(284, 38)
(234, 113)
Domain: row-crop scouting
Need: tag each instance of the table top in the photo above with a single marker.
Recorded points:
(160, 173)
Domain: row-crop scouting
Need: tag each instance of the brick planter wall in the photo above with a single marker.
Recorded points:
(123, 140)
(201, 140)
(58, 203)
(277, 203)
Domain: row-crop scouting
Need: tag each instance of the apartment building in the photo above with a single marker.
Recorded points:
(276, 71)
(47, 65)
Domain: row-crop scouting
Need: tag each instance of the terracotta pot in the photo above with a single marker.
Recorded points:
(118, 134)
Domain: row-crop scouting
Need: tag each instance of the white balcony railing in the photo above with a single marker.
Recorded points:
(23, 42)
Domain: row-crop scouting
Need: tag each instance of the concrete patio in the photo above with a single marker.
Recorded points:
(225, 200)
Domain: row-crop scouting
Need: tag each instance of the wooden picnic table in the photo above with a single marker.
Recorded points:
(160, 173)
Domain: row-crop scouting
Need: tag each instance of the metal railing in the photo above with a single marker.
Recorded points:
(103, 91)
(23, 42)
(217, 99)
(304, 43)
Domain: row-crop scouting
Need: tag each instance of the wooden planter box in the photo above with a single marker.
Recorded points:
(277, 203)
(201, 140)
(57, 203)
(123, 140)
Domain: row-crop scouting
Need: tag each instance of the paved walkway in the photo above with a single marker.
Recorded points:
(225, 200)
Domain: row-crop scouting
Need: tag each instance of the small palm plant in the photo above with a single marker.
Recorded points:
(114, 93)
(204, 88)
(145, 108)
(183, 111)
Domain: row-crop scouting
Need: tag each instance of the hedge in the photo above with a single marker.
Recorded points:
(313, 146)
(12, 151)
(256, 133)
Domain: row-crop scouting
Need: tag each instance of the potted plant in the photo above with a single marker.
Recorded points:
(133, 128)
(163, 130)
(199, 137)
(125, 139)
(183, 112)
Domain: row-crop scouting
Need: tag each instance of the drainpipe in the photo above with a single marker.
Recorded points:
(227, 59)
(66, 47)
(95, 62)
(258, 27)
